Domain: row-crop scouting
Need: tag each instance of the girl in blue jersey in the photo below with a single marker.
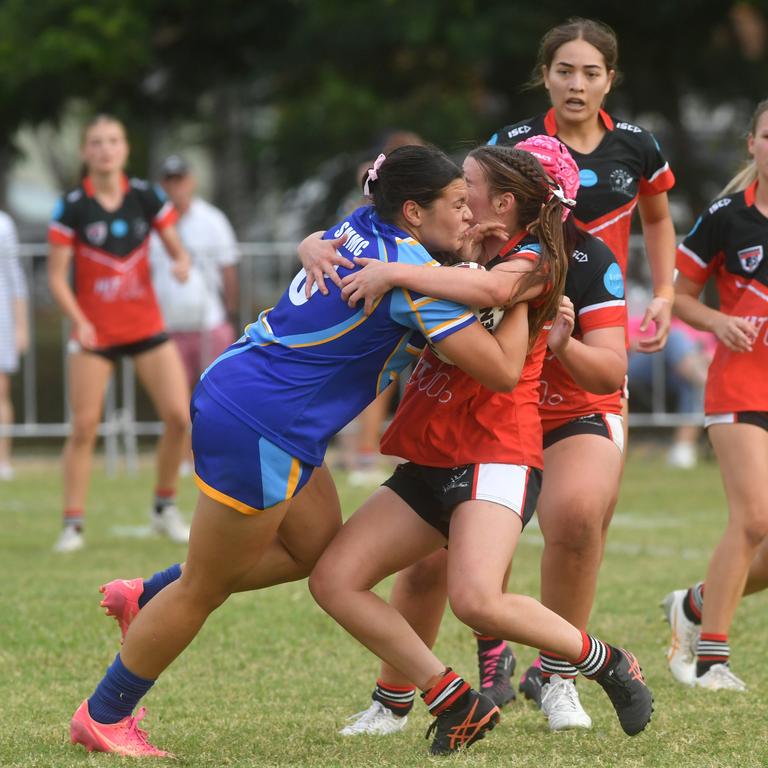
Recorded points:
(262, 417)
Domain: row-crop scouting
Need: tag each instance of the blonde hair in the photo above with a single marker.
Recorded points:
(748, 174)
(540, 213)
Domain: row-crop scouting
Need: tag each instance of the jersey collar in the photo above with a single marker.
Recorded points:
(512, 243)
(90, 190)
(550, 122)
(750, 193)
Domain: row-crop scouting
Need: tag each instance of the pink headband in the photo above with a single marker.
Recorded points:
(373, 174)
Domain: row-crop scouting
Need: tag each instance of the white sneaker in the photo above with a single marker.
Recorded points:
(682, 456)
(170, 523)
(70, 540)
(6, 472)
(681, 654)
(720, 678)
(377, 720)
(560, 703)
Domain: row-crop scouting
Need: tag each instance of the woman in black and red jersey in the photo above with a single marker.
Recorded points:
(729, 242)
(102, 228)
(472, 476)
(621, 165)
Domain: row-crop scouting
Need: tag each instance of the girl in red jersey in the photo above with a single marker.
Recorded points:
(580, 408)
(102, 227)
(472, 476)
(729, 242)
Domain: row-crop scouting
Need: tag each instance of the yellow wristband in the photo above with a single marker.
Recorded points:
(666, 292)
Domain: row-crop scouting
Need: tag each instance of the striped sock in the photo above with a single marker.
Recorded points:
(445, 693)
(694, 602)
(396, 698)
(711, 649)
(552, 664)
(117, 694)
(158, 581)
(164, 497)
(74, 517)
(595, 656)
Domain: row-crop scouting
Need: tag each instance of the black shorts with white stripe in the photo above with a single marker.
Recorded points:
(434, 492)
(608, 425)
(756, 418)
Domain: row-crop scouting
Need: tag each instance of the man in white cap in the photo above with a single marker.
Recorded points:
(197, 313)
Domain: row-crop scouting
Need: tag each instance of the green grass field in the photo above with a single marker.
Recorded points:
(270, 679)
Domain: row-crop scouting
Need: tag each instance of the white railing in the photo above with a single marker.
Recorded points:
(265, 270)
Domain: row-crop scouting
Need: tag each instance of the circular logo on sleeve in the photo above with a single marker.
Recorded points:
(614, 281)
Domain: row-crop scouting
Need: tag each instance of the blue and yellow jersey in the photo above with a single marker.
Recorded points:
(306, 367)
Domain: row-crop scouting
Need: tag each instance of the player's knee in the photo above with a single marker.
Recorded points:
(425, 576)
(755, 526)
(84, 429)
(202, 592)
(579, 530)
(176, 420)
(473, 607)
(325, 585)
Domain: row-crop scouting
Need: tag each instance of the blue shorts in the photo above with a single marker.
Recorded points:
(235, 465)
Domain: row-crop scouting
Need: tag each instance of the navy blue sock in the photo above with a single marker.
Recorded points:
(117, 694)
(155, 583)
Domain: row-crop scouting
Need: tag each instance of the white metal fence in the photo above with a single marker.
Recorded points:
(265, 270)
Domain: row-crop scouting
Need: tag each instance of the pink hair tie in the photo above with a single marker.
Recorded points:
(373, 174)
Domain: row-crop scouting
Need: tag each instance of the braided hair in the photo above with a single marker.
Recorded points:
(540, 213)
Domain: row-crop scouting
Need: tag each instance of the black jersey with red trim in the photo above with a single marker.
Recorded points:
(627, 162)
(595, 285)
(730, 242)
(112, 281)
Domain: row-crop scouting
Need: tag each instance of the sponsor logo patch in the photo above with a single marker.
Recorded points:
(750, 257)
(96, 232)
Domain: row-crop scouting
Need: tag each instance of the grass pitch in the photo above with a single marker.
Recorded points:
(270, 679)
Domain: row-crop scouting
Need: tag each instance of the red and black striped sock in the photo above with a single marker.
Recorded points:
(694, 602)
(446, 693)
(396, 698)
(74, 518)
(711, 649)
(595, 656)
(552, 664)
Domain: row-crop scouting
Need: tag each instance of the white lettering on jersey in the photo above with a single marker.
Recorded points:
(719, 204)
(296, 289)
(355, 243)
(580, 256)
(545, 398)
(431, 381)
(521, 131)
(628, 127)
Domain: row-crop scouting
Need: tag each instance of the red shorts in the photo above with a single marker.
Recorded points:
(199, 349)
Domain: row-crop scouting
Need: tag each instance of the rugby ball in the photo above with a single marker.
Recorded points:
(489, 317)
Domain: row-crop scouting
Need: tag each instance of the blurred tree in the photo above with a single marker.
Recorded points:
(278, 87)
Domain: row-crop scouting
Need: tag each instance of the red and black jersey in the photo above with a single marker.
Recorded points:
(111, 267)
(627, 163)
(447, 418)
(729, 242)
(595, 285)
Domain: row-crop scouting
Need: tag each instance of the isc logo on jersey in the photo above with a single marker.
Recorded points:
(628, 127)
(520, 131)
(719, 204)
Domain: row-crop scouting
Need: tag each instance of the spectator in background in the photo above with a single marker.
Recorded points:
(686, 359)
(14, 336)
(197, 313)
